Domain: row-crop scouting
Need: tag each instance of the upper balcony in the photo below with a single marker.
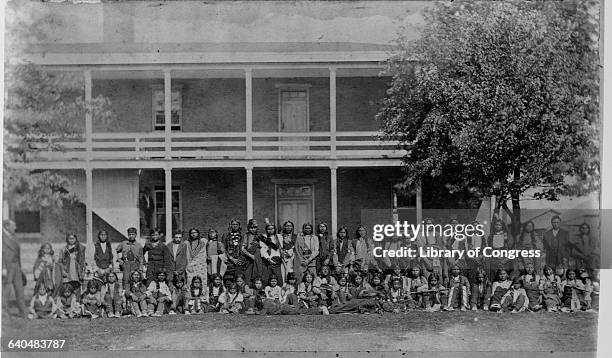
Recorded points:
(265, 112)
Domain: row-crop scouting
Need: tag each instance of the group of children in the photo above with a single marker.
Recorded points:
(310, 274)
(324, 293)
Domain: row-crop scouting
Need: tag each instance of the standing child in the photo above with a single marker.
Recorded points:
(197, 300)
(216, 254)
(180, 292)
(215, 291)
(159, 294)
(178, 252)
(42, 304)
(458, 290)
(515, 300)
(46, 271)
(434, 298)
(550, 287)
(67, 304)
(136, 295)
(112, 294)
(481, 291)
(499, 288)
(91, 301)
(103, 254)
(159, 257)
(231, 300)
(130, 256)
(531, 283)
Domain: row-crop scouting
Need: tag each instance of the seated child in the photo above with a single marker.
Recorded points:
(259, 295)
(327, 284)
(42, 304)
(67, 304)
(359, 299)
(288, 291)
(481, 292)
(531, 283)
(458, 290)
(499, 288)
(91, 301)
(308, 294)
(515, 300)
(159, 294)
(215, 290)
(247, 295)
(273, 291)
(179, 292)
(550, 287)
(415, 284)
(136, 295)
(595, 293)
(343, 293)
(197, 300)
(231, 300)
(113, 296)
(397, 274)
(576, 294)
(434, 298)
(398, 299)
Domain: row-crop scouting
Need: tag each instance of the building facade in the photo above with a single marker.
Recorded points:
(272, 118)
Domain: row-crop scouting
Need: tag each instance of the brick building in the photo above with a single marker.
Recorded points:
(258, 109)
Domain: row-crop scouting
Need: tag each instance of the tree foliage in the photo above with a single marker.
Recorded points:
(499, 97)
(43, 110)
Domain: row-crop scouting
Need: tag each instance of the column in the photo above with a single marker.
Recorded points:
(168, 113)
(419, 205)
(334, 199)
(168, 200)
(248, 82)
(249, 183)
(89, 238)
(88, 119)
(332, 110)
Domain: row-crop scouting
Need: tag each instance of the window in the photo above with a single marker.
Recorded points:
(160, 208)
(159, 116)
(27, 222)
(404, 205)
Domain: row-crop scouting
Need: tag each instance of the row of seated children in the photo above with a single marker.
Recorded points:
(323, 294)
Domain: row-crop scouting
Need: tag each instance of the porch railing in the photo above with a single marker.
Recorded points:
(238, 145)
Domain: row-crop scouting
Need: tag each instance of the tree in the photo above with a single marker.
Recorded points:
(499, 97)
(43, 110)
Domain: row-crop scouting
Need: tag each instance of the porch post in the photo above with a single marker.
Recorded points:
(332, 111)
(167, 113)
(334, 199)
(168, 200)
(249, 183)
(248, 82)
(419, 205)
(89, 244)
(88, 119)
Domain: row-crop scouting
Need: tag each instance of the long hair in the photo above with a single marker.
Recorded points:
(196, 230)
(324, 224)
(232, 221)
(359, 227)
(108, 244)
(341, 228)
(532, 234)
(41, 251)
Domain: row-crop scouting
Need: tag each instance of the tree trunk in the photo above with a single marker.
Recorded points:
(516, 206)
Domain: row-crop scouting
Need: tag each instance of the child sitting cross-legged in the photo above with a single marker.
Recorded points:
(136, 295)
(231, 300)
(515, 300)
(113, 295)
(179, 292)
(434, 298)
(91, 301)
(159, 294)
(42, 304)
(67, 303)
(197, 300)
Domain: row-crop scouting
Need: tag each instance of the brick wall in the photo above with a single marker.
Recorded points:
(218, 105)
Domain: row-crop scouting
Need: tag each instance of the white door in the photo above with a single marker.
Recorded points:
(294, 115)
(294, 202)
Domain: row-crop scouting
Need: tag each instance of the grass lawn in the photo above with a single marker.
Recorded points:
(413, 331)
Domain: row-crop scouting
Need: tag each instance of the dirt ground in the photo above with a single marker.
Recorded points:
(406, 332)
